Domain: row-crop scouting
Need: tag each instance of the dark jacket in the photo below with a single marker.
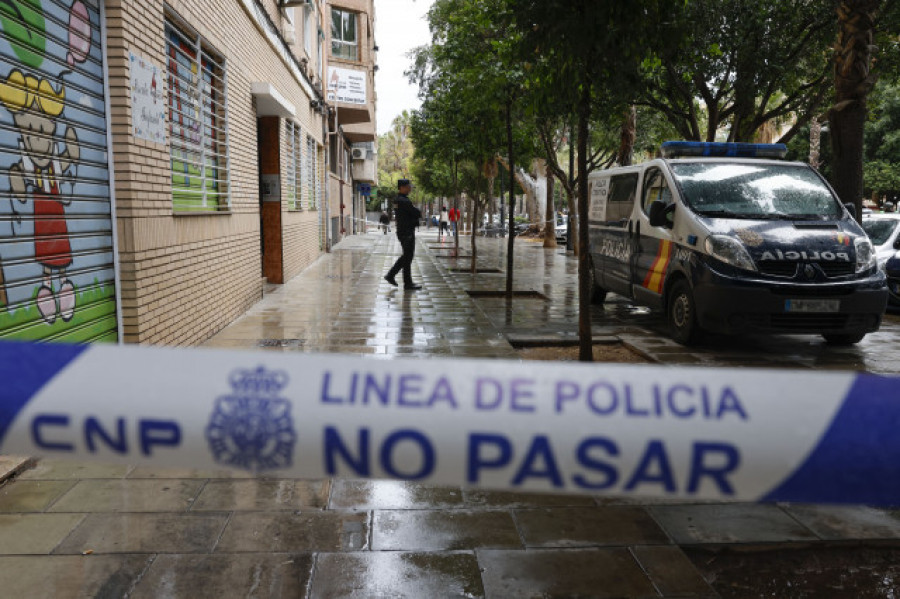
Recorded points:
(407, 216)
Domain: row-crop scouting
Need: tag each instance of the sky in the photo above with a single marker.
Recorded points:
(400, 26)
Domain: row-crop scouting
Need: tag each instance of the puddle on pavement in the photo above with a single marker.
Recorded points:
(821, 573)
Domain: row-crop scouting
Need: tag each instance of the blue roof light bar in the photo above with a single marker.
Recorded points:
(677, 149)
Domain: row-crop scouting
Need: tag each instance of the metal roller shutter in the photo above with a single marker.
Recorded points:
(57, 279)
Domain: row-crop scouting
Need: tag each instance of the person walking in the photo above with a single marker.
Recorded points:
(385, 221)
(454, 218)
(407, 217)
(443, 223)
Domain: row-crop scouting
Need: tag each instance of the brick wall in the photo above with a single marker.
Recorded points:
(184, 277)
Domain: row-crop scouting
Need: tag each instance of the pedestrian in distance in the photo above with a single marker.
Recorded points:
(454, 219)
(443, 223)
(407, 217)
(385, 221)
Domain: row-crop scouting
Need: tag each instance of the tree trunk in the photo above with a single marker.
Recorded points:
(458, 222)
(572, 241)
(474, 236)
(585, 343)
(626, 140)
(512, 202)
(852, 82)
(550, 218)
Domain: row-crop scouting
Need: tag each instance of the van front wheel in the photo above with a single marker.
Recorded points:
(598, 294)
(844, 339)
(682, 314)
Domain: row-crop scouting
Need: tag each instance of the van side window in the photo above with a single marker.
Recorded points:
(655, 188)
(621, 199)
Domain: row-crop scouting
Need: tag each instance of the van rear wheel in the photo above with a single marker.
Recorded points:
(844, 339)
(598, 294)
(682, 314)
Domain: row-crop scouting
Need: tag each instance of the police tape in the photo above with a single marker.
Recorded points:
(600, 429)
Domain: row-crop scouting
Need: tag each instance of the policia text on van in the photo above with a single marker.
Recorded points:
(726, 238)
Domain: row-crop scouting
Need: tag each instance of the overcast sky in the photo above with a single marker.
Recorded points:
(400, 26)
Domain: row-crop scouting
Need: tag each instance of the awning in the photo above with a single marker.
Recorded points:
(271, 103)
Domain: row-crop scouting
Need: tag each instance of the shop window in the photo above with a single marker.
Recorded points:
(343, 35)
(293, 184)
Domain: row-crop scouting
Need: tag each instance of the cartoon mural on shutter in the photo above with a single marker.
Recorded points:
(57, 278)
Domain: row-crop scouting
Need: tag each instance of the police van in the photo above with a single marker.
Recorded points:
(731, 238)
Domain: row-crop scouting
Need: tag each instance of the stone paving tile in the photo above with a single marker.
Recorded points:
(262, 495)
(295, 532)
(396, 530)
(71, 576)
(512, 499)
(539, 573)
(244, 575)
(729, 524)
(389, 494)
(130, 495)
(397, 575)
(840, 522)
(586, 527)
(144, 533)
(35, 533)
(49, 469)
(31, 495)
(672, 573)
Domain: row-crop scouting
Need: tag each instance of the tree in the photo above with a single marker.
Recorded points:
(590, 55)
(469, 79)
(741, 64)
(853, 80)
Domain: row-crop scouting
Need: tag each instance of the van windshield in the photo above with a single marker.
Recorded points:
(756, 191)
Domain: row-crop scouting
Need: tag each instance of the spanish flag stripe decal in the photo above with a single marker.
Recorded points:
(657, 273)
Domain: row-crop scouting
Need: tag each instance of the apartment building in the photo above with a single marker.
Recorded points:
(161, 161)
(350, 89)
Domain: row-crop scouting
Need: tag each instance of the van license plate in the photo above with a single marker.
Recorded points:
(812, 305)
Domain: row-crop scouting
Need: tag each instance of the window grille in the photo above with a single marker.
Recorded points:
(197, 120)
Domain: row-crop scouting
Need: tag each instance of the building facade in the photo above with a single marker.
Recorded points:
(161, 161)
(350, 87)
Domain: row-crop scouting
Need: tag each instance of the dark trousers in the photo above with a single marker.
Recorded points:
(404, 262)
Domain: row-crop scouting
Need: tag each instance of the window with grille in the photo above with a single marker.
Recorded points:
(197, 123)
(293, 184)
(312, 179)
(343, 34)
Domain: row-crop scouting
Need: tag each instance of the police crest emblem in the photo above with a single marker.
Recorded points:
(252, 428)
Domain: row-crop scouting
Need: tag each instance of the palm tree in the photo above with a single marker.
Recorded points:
(852, 83)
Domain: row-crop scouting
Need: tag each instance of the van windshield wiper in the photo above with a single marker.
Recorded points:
(721, 213)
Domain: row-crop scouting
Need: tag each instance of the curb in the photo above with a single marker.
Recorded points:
(11, 465)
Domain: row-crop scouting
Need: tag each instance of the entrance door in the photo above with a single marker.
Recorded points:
(57, 275)
(268, 148)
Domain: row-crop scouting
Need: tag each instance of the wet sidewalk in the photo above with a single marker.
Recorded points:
(76, 530)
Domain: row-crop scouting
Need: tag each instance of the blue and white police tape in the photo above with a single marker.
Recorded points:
(737, 434)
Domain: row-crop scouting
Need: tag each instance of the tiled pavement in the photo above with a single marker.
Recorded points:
(76, 530)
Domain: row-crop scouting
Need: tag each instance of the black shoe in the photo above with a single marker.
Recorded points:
(390, 280)
(411, 287)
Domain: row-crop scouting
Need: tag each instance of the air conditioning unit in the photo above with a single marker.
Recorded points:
(359, 154)
(287, 30)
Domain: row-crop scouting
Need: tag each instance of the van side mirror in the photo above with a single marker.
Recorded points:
(851, 209)
(897, 243)
(660, 214)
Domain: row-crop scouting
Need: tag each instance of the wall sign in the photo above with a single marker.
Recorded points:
(148, 109)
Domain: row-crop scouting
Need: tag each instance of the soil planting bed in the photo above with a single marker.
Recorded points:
(605, 352)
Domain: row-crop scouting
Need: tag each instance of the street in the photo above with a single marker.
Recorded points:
(72, 530)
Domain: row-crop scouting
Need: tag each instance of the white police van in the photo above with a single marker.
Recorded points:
(730, 238)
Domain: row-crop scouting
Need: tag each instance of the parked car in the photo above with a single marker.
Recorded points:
(884, 232)
(892, 270)
(562, 229)
(731, 238)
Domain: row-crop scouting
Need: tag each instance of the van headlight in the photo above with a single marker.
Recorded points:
(730, 251)
(865, 254)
